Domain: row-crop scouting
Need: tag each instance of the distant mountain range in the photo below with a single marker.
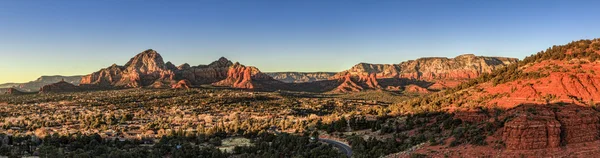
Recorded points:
(300, 77)
(35, 85)
(148, 70)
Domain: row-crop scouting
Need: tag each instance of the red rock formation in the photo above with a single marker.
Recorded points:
(541, 126)
(244, 77)
(59, 87)
(416, 89)
(142, 70)
(578, 124)
(148, 69)
(204, 74)
(563, 83)
(532, 131)
(182, 84)
(370, 81)
(443, 72)
(347, 85)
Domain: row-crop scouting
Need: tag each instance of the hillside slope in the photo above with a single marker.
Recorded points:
(544, 106)
(568, 73)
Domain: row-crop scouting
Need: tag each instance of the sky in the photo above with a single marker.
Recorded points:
(71, 37)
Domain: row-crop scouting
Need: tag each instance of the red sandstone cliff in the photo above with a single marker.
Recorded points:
(148, 69)
(247, 77)
(441, 72)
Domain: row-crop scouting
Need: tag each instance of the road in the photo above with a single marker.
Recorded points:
(345, 148)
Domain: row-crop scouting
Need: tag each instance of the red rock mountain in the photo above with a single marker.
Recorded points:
(148, 69)
(440, 72)
(568, 73)
(143, 70)
(551, 99)
(249, 77)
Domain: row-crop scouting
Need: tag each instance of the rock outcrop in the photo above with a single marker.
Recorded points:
(148, 69)
(532, 131)
(59, 87)
(443, 72)
(350, 83)
(247, 77)
(143, 70)
(182, 84)
(300, 77)
(434, 68)
(578, 124)
(204, 74)
(416, 89)
(550, 126)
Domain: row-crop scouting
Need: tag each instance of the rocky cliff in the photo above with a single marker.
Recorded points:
(148, 69)
(143, 70)
(541, 127)
(248, 77)
(459, 68)
(567, 73)
(441, 72)
(300, 77)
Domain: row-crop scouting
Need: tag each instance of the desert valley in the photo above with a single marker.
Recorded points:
(545, 105)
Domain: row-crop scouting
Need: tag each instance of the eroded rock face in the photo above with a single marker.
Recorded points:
(148, 69)
(244, 77)
(578, 124)
(540, 127)
(204, 74)
(461, 67)
(416, 89)
(350, 83)
(59, 87)
(532, 131)
(448, 71)
(347, 85)
(182, 84)
(142, 70)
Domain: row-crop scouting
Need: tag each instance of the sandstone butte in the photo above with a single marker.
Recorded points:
(148, 70)
(440, 72)
(240, 76)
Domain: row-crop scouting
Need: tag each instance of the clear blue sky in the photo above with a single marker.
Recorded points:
(75, 37)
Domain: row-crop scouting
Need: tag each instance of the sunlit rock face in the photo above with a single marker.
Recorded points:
(147, 69)
(441, 72)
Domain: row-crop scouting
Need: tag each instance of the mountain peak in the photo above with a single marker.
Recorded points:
(221, 62)
(148, 60)
(223, 59)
